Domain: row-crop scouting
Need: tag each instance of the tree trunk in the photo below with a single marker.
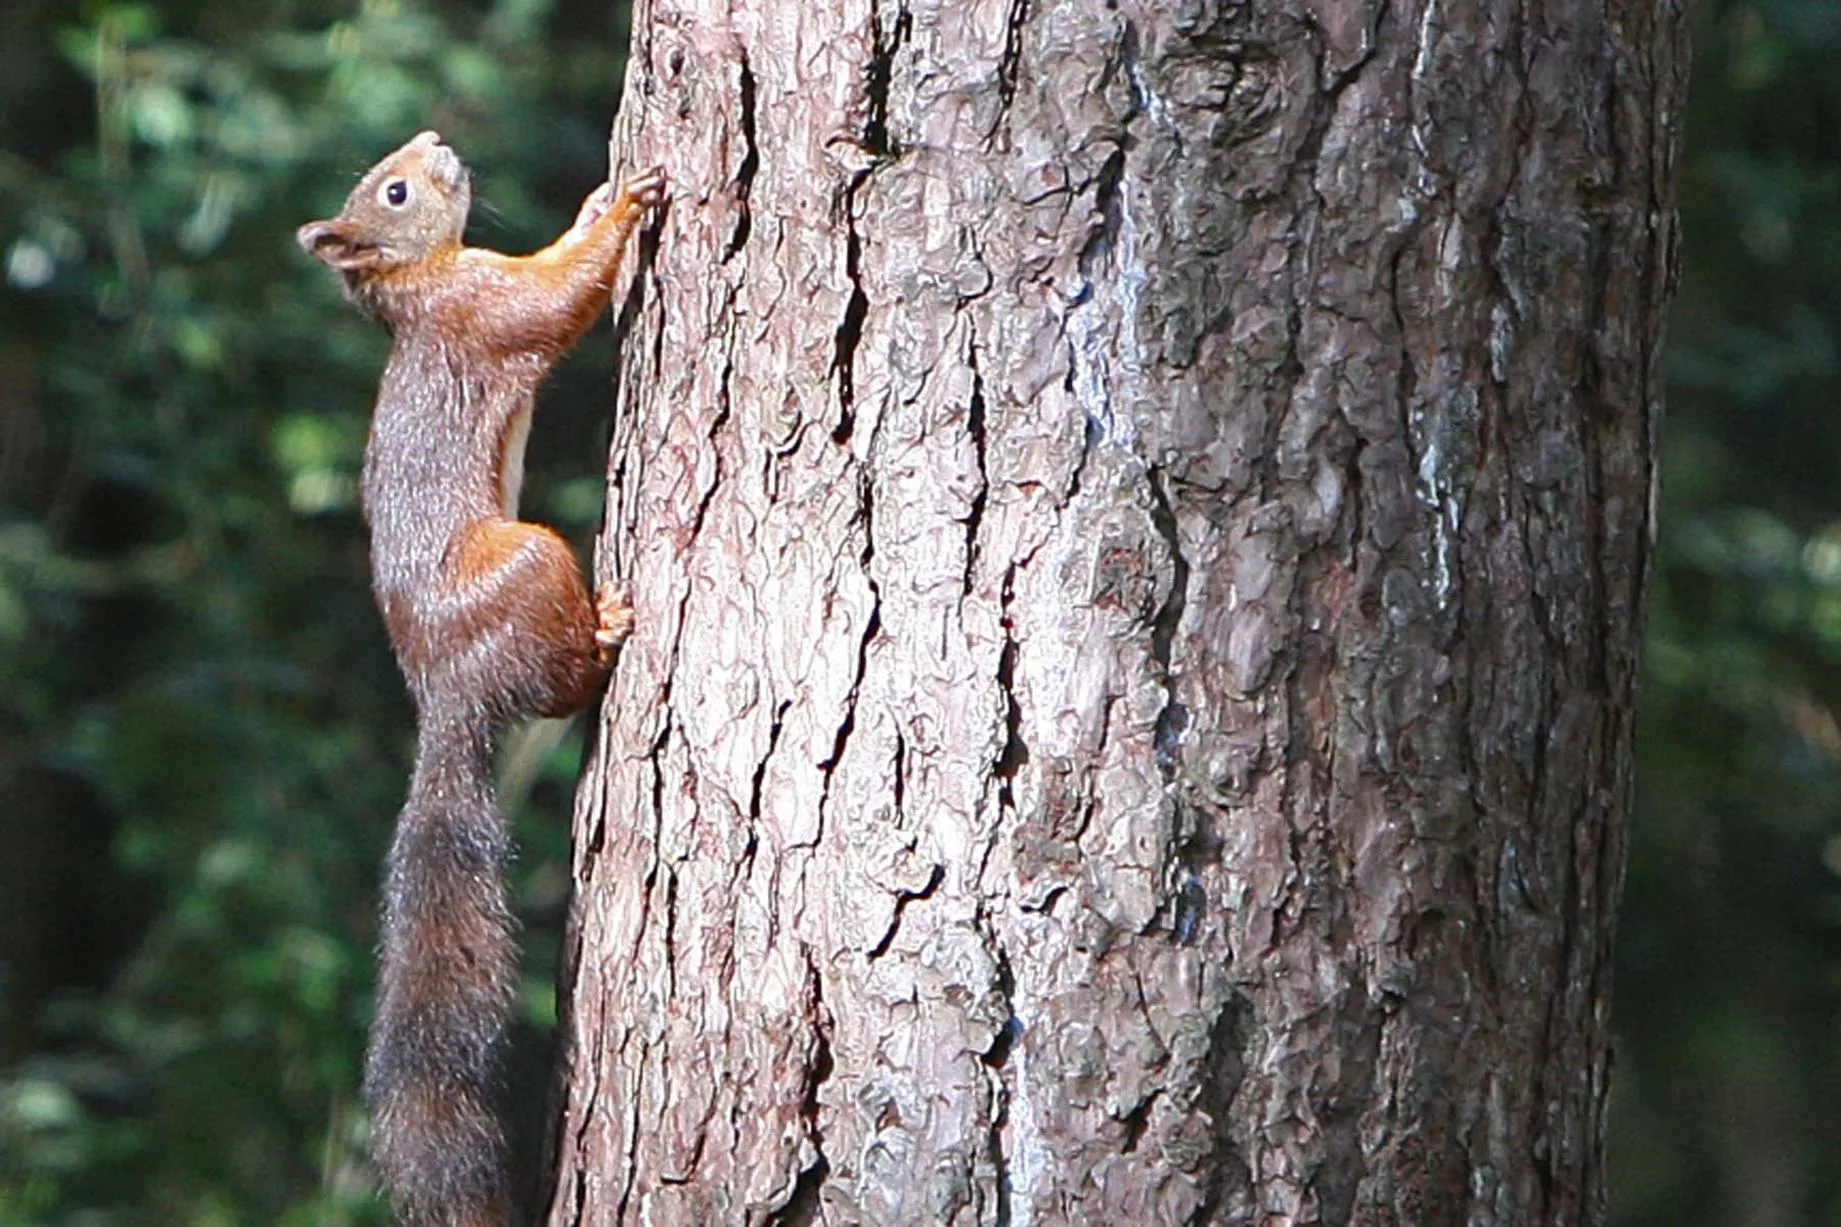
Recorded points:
(1139, 519)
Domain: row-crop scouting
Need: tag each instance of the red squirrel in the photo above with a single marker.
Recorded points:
(490, 620)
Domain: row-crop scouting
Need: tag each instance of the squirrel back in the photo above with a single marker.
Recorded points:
(490, 620)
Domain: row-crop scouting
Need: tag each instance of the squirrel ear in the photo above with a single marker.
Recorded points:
(333, 243)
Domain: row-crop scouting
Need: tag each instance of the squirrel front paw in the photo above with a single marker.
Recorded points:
(646, 188)
(639, 193)
(594, 208)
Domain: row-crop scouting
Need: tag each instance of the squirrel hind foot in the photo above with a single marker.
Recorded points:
(613, 615)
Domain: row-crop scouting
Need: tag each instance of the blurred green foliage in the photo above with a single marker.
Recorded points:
(203, 740)
(1727, 1084)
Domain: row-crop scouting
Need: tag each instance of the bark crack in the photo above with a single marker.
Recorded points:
(671, 932)
(1136, 1120)
(856, 310)
(885, 45)
(1173, 720)
(1091, 386)
(1106, 203)
(760, 768)
(630, 1166)
(1223, 1074)
(848, 724)
(899, 782)
(803, 1202)
(975, 427)
(750, 164)
(902, 899)
(996, 1059)
(1010, 60)
(870, 630)
(1144, 99)
(1015, 751)
(724, 407)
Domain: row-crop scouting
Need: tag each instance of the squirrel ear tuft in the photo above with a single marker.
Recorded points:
(333, 243)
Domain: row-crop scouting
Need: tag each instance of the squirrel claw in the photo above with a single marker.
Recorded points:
(614, 615)
(646, 188)
(641, 192)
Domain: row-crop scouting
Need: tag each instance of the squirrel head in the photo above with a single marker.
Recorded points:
(406, 208)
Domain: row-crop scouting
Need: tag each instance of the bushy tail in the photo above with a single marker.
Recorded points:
(445, 986)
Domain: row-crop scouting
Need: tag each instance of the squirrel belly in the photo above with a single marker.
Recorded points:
(490, 619)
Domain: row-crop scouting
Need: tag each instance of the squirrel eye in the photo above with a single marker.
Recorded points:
(397, 192)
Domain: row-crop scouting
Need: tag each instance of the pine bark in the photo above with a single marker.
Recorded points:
(1139, 518)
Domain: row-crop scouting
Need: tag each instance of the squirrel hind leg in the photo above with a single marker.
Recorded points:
(530, 578)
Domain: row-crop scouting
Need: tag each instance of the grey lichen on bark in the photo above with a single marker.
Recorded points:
(1140, 518)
